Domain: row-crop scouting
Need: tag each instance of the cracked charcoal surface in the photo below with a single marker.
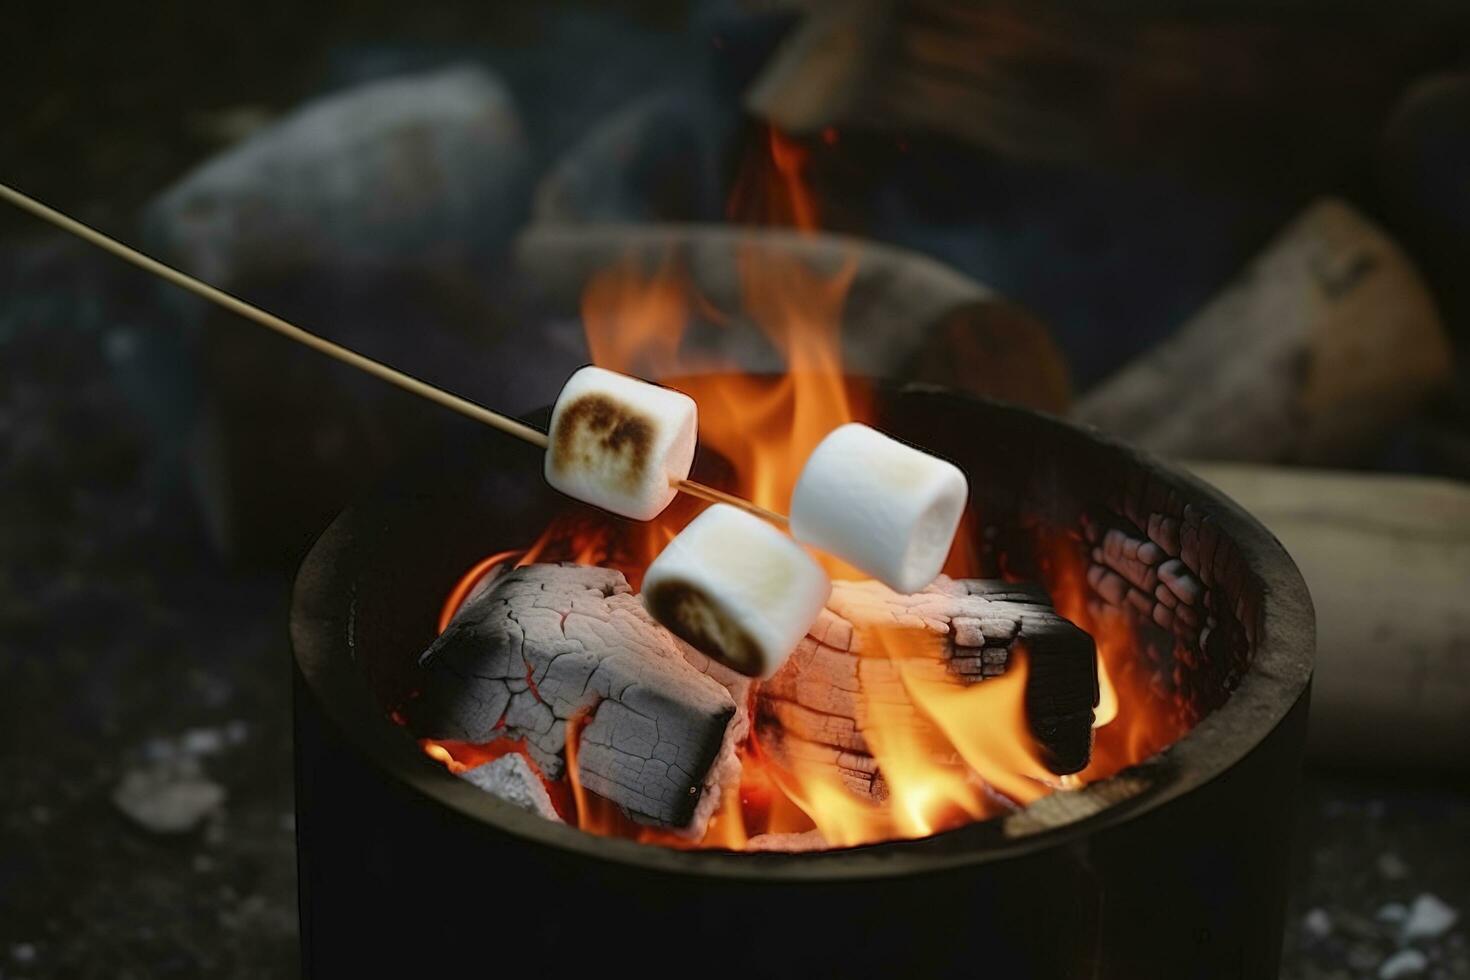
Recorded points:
(546, 644)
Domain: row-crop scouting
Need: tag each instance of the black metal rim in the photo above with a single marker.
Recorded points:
(322, 618)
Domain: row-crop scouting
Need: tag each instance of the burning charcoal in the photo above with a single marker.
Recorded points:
(886, 507)
(616, 442)
(736, 589)
(818, 706)
(547, 644)
(512, 779)
(397, 169)
(811, 840)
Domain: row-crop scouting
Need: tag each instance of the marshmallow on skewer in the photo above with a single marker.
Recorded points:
(886, 507)
(736, 589)
(616, 442)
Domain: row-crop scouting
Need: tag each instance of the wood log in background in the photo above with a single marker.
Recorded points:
(1387, 560)
(1239, 86)
(1327, 338)
(905, 315)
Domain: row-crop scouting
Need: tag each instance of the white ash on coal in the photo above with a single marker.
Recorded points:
(512, 779)
(548, 645)
(546, 649)
(818, 706)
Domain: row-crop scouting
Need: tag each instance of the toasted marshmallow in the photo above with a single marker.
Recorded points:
(883, 506)
(616, 442)
(736, 589)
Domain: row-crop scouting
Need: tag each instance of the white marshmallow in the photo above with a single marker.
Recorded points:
(616, 442)
(886, 507)
(736, 589)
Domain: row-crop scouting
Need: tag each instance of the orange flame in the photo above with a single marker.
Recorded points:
(1133, 721)
(959, 752)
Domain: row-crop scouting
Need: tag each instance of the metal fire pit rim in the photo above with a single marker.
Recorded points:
(321, 622)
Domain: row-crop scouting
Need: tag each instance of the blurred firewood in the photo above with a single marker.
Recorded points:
(995, 349)
(1050, 80)
(1326, 339)
(823, 67)
(905, 316)
(1387, 560)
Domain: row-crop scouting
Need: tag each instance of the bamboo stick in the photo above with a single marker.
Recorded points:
(504, 423)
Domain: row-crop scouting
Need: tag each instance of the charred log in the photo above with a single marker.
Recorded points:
(546, 644)
(817, 708)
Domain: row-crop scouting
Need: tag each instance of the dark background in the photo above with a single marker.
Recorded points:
(130, 645)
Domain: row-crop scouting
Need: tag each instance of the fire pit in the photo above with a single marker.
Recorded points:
(1167, 863)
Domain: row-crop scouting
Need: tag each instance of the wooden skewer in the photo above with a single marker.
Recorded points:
(407, 382)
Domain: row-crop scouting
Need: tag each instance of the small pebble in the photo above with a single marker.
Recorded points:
(1394, 912)
(167, 802)
(202, 741)
(1392, 867)
(1317, 924)
(1404, 963)
(1429, 918)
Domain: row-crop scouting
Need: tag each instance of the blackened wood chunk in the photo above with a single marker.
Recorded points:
(817, 708)
(1061, 689)
(546, 644)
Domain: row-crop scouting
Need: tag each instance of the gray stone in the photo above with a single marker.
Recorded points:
(1392, 867)
(1404, 963)
(167, 798)
(1429, 918)
(417, 168)
(1317, 924)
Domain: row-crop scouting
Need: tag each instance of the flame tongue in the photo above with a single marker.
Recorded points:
(973, 756)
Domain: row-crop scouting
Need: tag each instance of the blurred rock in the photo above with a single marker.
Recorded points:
(1429, 918)
(1392, 867)
(423, 168)
(168, 798)
(1404, 963)
(1393, 913)
(1317, 924)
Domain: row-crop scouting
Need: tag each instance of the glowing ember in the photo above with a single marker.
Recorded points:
(977, 759)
